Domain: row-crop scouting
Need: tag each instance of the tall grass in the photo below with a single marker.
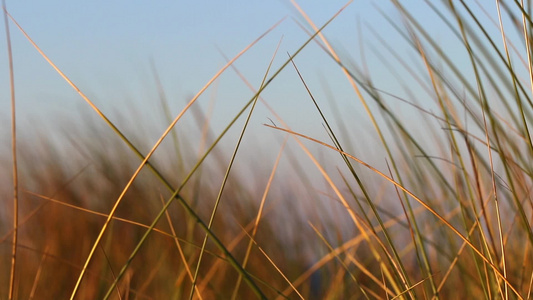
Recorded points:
(103, 212)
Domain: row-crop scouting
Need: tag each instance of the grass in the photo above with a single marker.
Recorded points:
(446, 213)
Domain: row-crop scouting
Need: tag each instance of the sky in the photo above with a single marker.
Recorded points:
(107, 47)
(111, 49)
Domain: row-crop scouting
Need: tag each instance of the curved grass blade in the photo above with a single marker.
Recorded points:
(14, 157)
(226, 176)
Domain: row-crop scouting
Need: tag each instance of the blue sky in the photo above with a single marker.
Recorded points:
(106, 48)
(101, 44)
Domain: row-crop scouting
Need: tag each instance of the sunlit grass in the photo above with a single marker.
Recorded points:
(445, 214)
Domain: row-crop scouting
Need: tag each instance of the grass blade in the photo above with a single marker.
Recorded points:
(14, 157)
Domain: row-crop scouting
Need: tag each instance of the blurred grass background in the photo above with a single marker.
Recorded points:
(425, 193)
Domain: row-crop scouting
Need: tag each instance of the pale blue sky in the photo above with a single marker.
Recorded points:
(106, 47)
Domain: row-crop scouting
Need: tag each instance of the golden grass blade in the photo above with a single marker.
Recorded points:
(119, 294)
(38, 274)
(343, 264)
(410, 288)
(14, 157)
(215, 267)
(527, 41)
(160, 231)
(346, 245)
(530, 287)
(180, 250)
(245, 262)
(495, 192)
(226, 175)
(456, 258)
(93, 106)
(273, 264)
(259, 215)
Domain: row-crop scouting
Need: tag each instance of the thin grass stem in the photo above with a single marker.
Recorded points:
(14, 157)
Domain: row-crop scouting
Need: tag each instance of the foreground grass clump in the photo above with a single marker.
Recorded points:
(437, 204)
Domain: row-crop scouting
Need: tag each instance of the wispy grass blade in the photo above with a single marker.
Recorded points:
(168, 116)
(53, 200)
(528, 136)
(291, 286)
(180, 250)
(226, 175)
(38, 275)
(237, 285)
(14, 157)
(324, 240)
